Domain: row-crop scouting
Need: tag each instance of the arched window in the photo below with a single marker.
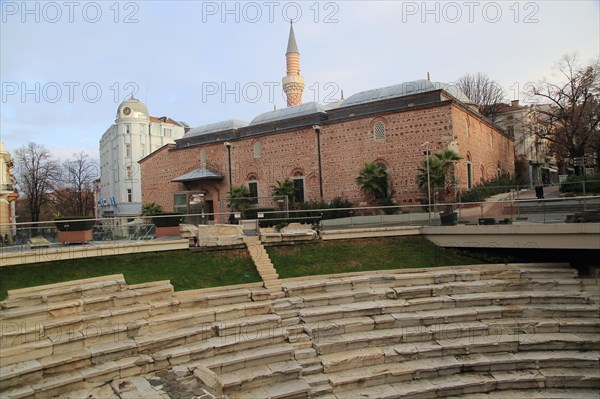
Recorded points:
(469, 172)
(253, 188)
(379, 131)
(257, 149)
(298, 187)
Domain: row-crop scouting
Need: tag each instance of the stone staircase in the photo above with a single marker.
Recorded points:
(263, 263)
(489, 331)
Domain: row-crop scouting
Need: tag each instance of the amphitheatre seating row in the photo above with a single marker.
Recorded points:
(72, 336)
(383, 334)
(473, 332)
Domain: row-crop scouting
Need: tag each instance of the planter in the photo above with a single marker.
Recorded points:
(166, 220)
(449, 218)
(74, 237)
(167, 231)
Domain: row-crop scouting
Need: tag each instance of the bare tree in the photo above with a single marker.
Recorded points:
(483, 91)
(76, 197)
(572, 121)
(37, 174)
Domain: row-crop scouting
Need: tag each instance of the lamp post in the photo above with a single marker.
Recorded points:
(228, 145)
(426, 144)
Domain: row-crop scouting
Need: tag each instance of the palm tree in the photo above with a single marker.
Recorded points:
(239, 198)
(441, 174)
(373, 180)
(284, 189)
(151, 208)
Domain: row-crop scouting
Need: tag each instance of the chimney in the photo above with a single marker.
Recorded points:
(514, 103)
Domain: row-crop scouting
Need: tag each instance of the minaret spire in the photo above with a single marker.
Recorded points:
(293, 83)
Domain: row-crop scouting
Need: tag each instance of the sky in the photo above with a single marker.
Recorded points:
(65, 66)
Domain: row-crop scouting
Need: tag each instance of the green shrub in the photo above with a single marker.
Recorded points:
(500, 184)
(574, 184)
(73, 223)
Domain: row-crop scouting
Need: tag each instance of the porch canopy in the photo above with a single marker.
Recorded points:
(198, 175)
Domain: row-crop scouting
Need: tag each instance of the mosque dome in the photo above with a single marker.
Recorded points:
(288, 113)
(230, 124)
(404, 89)
(131, 107)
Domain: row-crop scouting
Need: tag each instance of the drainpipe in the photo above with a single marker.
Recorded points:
(317, 130)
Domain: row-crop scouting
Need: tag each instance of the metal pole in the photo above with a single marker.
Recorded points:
(228, 145)
(583, 166)
(428, 182)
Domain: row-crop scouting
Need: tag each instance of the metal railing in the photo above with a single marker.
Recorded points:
(28, 236)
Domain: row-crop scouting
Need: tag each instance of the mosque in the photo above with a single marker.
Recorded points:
(322, 148)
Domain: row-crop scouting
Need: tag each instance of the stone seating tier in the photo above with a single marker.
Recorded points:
(441, 332)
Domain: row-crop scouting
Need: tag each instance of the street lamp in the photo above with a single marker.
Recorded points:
(426, 144)
(228, 145)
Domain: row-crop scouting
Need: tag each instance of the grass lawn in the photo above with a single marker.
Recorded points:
(185, 269)
(363, 254)
(188, 270)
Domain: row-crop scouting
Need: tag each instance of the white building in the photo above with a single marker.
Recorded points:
(522, 122)
(134, 135)
(7, 195)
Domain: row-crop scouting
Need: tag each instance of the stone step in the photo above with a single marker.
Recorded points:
(356, 309)
(150, 343)
(559, 310)
(543, 325)
(529, 360)
(70, 341)
(61, 309)
(459, 287)
(194, 299)
(514, 343)
(249, 325)
(545, 273)
(379, 280)
(230, 362)
(216, 346)
(288, 389)
(64, 291)
(546, 393)
(260, 376)
(370, 376)
(324, 330)
(496, 385)
(374, 338)
(559, 341)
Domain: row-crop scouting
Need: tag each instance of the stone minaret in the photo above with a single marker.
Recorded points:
(293, 83)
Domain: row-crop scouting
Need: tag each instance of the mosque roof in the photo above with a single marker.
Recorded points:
(403, 89)
(288, 113)
(229, 124)
(199, 174)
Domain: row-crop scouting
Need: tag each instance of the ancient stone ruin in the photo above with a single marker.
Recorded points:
(490, 331)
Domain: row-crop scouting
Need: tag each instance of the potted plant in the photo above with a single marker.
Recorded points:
(74, 229)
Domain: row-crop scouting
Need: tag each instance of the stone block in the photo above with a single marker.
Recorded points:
(210, 379)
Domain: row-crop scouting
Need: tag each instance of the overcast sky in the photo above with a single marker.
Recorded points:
(66, 66)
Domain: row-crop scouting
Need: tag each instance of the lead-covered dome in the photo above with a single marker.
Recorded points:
(404, 89)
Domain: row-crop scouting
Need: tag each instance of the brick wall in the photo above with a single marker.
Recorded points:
(345, 147)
